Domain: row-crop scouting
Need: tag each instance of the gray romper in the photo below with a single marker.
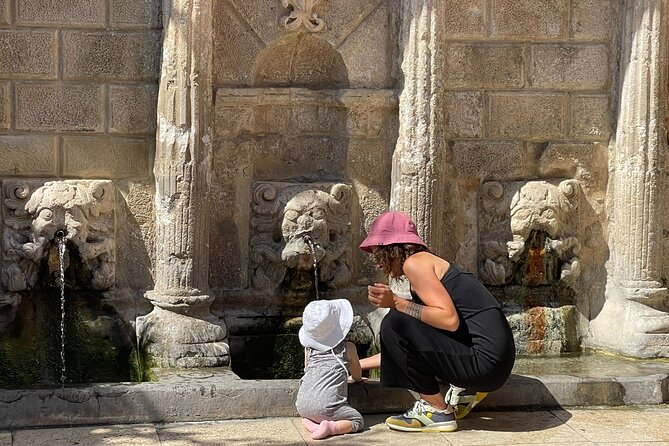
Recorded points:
(323, 392)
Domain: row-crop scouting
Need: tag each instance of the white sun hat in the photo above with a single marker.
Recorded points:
(325, 323)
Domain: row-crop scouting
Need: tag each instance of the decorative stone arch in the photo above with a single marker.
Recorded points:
(300, 60)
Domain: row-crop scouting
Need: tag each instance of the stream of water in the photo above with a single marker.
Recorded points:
(312, 248)
(61, 260)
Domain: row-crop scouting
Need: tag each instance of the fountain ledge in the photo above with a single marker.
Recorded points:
(219, 395)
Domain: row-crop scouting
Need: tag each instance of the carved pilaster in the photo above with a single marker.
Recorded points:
(416, 161)
(181, 331)
(635, 319)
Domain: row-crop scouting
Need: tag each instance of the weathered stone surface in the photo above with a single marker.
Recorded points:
(464, 114)
(133, 13)
(342, 17)
(303, 156)
(593, 19)
(28, 54)
(488, 159)
(132, 109)
(261, 15)
(58, 107)
(5, 13)
(464, 18)
(235, 48)
(528, 18)
(590, 117)
(571, 67)
(30, 154)
(365, 52)
(5, 106)
(140, 435)
(75, 12)
(526, 115)
(370, 161)
(484, 66)
(111, 56)
(104, 157)
(136, 234)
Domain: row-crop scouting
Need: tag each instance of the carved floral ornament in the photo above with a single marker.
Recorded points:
(301, 14)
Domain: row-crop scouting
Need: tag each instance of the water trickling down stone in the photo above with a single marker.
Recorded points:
(60, 239)
(312, 247)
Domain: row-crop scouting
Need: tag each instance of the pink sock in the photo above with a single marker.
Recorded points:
(326, 429)
(309, 425)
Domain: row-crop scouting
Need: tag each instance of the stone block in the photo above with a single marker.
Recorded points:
(484, 66)
(488, 159)
(138, 434)
(28, 54)
(5, 14)
(111, 56)
(369, 161)
(369, 122)
(89, 13)
(464, 114)
(593, 19)
(105, 157)
(132, 109)
(464, 18)
(136, 14)
(236, 47)
(529, 18)
(314, 119)
(342, 16)
(365, 52)
(59, 107)
(282, 157)
(28, 155)
(571, 160)
(516, 115)
(5, 106)
(571, 67)
(590, 117)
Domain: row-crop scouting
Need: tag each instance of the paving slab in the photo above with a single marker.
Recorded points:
(5, 438)
(136, 435)
(618, 425)
(266, 431)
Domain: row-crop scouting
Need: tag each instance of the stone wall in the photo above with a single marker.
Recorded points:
(78, 90)
(530, 94)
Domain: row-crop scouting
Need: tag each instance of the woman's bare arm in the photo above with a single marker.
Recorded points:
(371, 362)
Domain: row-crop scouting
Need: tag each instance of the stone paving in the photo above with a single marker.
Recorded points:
(641, 426)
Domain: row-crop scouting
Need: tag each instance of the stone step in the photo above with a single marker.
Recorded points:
(219, 394)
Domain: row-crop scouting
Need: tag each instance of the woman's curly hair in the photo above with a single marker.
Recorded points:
(386, 255)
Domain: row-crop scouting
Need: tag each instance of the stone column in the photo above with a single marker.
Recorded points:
(635, 319)
(417, 166)
(181, 331)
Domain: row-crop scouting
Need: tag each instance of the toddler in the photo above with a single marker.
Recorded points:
(329, 363)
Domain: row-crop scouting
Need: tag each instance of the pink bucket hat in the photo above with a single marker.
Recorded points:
(391, 228)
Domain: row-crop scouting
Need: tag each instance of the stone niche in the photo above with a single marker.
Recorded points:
(529, 257)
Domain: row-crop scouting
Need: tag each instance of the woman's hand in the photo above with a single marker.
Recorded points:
(381, 296)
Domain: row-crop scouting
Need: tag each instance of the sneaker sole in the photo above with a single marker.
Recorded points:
(461, 413)
(437, 427)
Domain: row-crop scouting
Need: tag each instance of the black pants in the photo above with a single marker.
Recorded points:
(414, 355)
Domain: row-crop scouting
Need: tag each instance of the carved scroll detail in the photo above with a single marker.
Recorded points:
(535, 221)
(301, 14)
(35, 211)
(282, 213)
